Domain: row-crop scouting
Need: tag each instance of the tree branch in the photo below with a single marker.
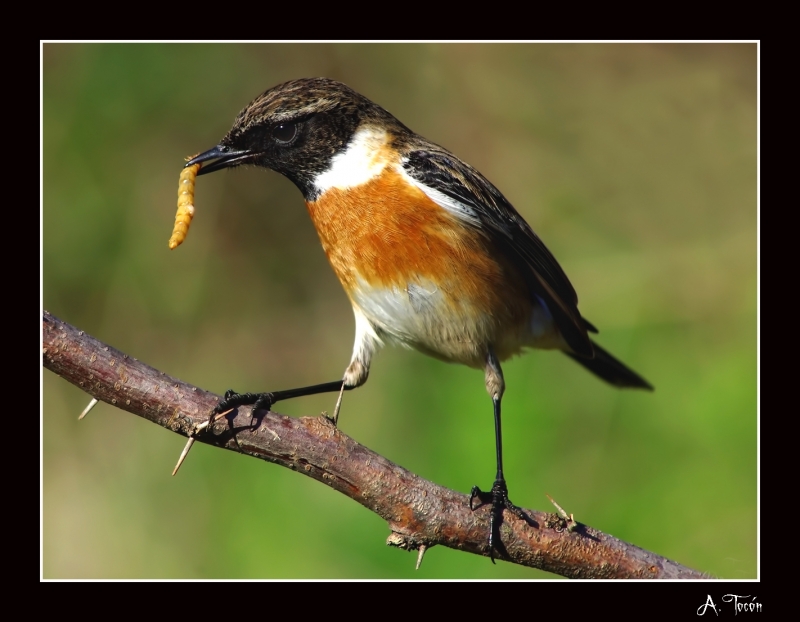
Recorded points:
(420, 513)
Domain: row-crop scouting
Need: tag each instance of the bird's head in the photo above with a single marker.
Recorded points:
(295, 128)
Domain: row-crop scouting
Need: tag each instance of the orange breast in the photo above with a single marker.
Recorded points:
(387, 233)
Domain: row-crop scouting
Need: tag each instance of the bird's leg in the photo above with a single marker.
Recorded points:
(231, 399)
(354, 376)
(336, 408)
(498, 496)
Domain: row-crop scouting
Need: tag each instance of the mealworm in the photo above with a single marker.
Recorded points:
(183, 217)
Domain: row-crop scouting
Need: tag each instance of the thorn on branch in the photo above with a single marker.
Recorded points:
(86, 410)
(190, 442)
(422, 549)
(407, 543)
(183, 455)
(569, 520)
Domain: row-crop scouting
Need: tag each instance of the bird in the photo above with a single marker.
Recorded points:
(430, 253)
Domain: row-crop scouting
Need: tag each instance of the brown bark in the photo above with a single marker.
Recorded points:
(420, 513)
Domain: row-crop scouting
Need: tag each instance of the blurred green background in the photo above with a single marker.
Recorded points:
(635, 163)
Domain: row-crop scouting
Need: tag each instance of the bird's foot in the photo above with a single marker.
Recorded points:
(231, 400)
(498, 497)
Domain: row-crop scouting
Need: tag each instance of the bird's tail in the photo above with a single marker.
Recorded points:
(611, 370)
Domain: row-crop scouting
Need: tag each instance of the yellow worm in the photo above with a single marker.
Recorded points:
(183, 217)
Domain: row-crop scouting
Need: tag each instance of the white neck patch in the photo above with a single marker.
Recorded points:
(364, 158)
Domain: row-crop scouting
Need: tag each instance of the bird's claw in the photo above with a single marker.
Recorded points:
(498, 497)
(231, 399)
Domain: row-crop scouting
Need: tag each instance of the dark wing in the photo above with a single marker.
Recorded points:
(472, 197)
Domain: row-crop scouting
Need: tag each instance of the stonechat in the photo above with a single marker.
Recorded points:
(431, 255)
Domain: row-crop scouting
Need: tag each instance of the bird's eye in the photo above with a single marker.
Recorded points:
(285, 132)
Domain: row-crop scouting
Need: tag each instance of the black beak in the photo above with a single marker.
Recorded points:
(224, 156)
